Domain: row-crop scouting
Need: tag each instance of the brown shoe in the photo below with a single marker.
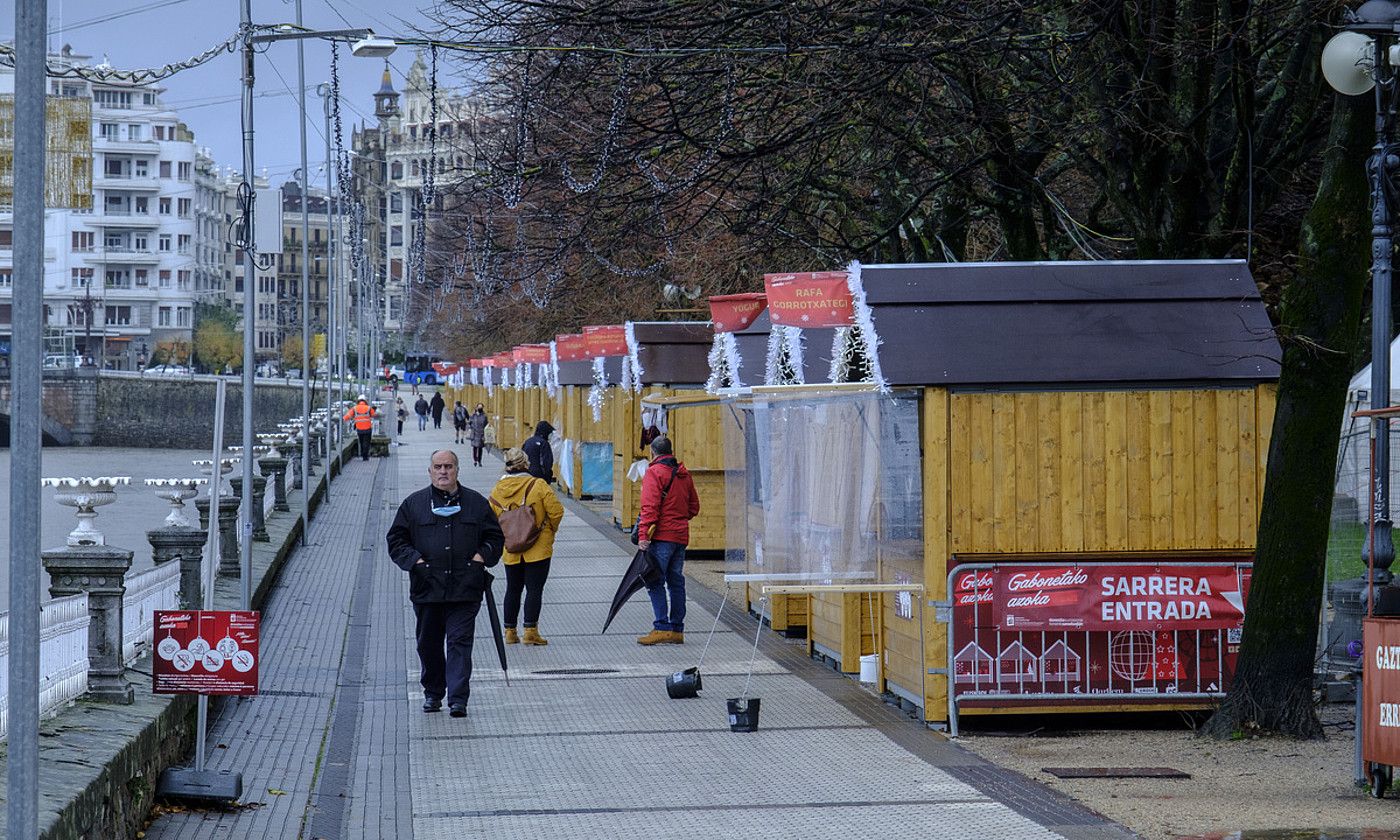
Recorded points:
(677, 638)
(533, 637)
(511, 636)
(655, 637)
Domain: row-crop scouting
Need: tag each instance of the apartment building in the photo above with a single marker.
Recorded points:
(119, 274)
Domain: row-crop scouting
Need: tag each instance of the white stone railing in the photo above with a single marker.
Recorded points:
(154, 589)
(63, 655)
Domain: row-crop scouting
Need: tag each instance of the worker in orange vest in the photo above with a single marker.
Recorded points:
(363, 414)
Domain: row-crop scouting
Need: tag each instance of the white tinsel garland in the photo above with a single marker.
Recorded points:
(551, 382)
(865, 324)
(595, 393)
(475, 376)
(634, 355)
(629, 382)
(490, 381)
(724, 363)
(784, 342)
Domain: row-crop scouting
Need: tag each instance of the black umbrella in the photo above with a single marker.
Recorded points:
(642, 573)
(496, 624)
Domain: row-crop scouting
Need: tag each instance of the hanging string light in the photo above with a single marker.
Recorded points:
(621, 94)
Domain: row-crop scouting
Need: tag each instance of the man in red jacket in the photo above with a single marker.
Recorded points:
(668, 504)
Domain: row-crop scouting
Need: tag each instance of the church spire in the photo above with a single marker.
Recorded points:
(386, 99)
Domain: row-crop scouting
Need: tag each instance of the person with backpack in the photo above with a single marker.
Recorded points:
(459, 421)
(529, 514)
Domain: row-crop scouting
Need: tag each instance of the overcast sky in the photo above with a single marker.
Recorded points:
(151, 33)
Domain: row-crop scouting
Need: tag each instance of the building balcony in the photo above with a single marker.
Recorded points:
(127, 219)
(102, 144)
(122, 256)
(122, 182)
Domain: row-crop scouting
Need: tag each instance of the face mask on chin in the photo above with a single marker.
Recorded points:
(447, 510)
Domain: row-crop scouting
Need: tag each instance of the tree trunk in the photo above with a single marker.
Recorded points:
(1319, 328)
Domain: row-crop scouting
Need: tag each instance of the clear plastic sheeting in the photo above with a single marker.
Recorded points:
(823, 487)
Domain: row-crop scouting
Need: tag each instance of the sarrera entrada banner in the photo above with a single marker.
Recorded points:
(1074, 597)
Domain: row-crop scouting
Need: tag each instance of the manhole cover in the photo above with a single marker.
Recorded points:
(574, 672)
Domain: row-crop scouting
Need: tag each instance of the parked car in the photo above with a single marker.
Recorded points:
(169, 370)
(59, 361)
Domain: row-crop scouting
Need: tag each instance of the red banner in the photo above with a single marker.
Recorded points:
(606, 341)
(477, 363)
(572, 347)
(446, 368)
(505, 360)
(731, 313)
(534, 354)
(1137, 597)
(811, 299)
(205, 652)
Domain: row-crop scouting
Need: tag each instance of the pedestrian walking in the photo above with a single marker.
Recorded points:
(445, 536)
(526, 568)
(476, 431)
(437, 405)
(362, 414)
(401, 411)
(668, 504)
(421, 409)
(540, 453)
(459, 422)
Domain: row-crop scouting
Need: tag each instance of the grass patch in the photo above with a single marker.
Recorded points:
(1344, 543)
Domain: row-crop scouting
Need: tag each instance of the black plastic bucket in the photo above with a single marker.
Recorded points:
(684, 684)
(743, 714)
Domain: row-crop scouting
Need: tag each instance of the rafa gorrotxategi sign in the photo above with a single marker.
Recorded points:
(205, 652)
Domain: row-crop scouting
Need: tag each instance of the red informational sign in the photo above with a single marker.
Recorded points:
(610, 340)
(1380, 736)
(811, 299)
(1135, 597)
(477, 363)
(505, 360)
(533, 354)
(1130, 628)
(446, 368)
(571, 347)
(205, 652)
(731, 313)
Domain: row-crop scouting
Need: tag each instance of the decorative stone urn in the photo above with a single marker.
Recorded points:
(176, 491)
(86, 494)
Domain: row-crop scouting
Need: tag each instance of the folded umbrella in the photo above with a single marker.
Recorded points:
(641, 573)
(496, 624)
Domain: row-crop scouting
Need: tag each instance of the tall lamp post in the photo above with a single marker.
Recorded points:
(365, 45)
(1364, 57)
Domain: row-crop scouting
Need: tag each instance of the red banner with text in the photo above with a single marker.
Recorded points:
(811, 299)
(205, 652)
(608, 340)
(534, 354)
(1163, 597)
(731, 313)
(572, 347)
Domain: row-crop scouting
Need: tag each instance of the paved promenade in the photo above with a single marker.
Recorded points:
(583, 742)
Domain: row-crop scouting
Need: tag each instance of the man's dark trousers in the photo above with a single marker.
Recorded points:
(454, 623)
(363, 435)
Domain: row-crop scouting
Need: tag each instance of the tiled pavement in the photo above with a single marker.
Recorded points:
(583, 742)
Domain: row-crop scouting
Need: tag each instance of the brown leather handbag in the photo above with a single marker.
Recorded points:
(518, 524)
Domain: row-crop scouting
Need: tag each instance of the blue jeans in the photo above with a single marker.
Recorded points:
(422, 422)
(670, 557)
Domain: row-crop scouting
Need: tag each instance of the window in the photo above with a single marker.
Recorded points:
(139, 242)
(82, 278)
(164, 242)
(159, 132)
(413, 132)
(115, 99)
(7, 278)
(141, 204)
(182, 316)
(114, 167)
(7, 238)
(107, 131)
(238, 288)
(83, 240)
(141, 168)
(445, 131)
(163, 317)
(184, 243)
(134, 131)
(165, 207)
(165, 278)
(396, 170)
(142, 277)
(185, 204)
(118, 278)
(117, 316)
(396, 202)
(396, 235)
(148, 99)
(184, 170)
(182, 279)
(114, 242)
(165, 169)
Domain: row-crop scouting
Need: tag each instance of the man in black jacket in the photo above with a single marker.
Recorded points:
(445, 536)
(540, 453)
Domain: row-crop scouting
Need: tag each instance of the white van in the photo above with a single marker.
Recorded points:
(59, 361)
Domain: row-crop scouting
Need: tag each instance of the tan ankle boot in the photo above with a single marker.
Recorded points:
(676, 638)
(511, 637)
(533, 637)
(655, 637)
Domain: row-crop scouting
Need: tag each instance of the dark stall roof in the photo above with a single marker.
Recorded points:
(1062, 323)
(581, 373)
(753, 351)
(673, 352)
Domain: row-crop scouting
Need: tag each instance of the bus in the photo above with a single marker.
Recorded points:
(418, 369)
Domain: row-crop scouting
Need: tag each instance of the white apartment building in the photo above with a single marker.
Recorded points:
(119, 278)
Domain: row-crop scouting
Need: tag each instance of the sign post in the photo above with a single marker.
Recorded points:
(1380, 732)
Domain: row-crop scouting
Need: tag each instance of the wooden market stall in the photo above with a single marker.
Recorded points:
(586, 440)
(1074, 413)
